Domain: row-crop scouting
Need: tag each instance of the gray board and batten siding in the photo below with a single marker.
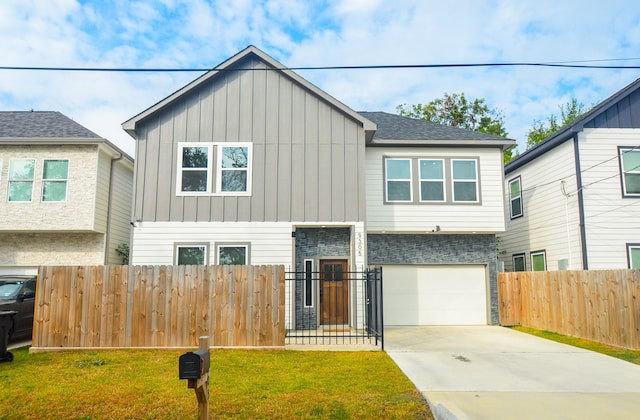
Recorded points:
(308, 155)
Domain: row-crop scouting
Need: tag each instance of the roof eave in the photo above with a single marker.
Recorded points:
(71, 141)
(502, 144)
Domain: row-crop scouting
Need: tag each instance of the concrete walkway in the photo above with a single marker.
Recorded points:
(489, 372)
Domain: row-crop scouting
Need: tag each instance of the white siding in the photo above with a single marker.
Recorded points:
(486, 217)
(271, 242)
(611, 221)
(544, 224)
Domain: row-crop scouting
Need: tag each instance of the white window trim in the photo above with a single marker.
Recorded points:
(177, 246)
(443, 180)
(66, 183)
(245, 245)
(622, 151)
(386, 180)
(181, 147)
(304, 287)
(512, 198)
(544, 256)
(219, 168)
(454, 180)
(9, 181)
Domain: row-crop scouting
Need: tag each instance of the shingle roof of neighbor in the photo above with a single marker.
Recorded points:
(41, 124)
(397, 127)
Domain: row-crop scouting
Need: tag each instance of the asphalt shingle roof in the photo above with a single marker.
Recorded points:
(41, 124)
(397, 127)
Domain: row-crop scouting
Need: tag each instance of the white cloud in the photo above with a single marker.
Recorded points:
(199, 33)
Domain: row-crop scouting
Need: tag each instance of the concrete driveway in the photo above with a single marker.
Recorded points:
(492, 372)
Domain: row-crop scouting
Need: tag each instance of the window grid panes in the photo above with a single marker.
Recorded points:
(234, 168)
(54, 180)
(631, 171)
(465, 180)
(195, 167)
(21, 172)
(432, 180)
(515, 198)
(232, 255)
(398, 180)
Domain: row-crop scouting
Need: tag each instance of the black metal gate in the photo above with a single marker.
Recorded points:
(334, 307)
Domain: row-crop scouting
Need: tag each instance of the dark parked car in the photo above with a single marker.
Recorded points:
(18, 293)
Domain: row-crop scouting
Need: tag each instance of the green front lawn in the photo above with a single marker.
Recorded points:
(144, 384)
(632, 356)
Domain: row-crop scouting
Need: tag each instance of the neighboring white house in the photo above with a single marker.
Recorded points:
(65, 194)
(573, 201)
(252, 164)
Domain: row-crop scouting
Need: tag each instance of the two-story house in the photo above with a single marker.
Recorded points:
(252, 164)
(65, 194)
(573, 201)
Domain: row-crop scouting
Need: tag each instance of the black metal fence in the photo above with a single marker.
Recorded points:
(334, 307)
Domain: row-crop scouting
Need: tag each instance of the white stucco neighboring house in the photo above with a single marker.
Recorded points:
(65, 193)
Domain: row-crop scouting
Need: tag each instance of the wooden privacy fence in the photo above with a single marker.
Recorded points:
(158, 306)
(599, 305)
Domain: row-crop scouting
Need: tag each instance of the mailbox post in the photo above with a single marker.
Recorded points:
(194, 367)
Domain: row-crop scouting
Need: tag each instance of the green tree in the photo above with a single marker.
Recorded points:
(540, 130)
(456, 110)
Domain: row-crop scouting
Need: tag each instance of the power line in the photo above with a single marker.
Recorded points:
(358, 67)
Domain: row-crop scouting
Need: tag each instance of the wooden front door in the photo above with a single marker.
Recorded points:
(334, 292)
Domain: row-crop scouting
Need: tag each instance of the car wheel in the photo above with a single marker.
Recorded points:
(8, 356)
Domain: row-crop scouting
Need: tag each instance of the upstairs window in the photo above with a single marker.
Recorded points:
(55, 174)
(21, 172)
(431, 180)
(432, 186)
(515, 198)
(398, 180)
(195, 167)
(214, 169)
(465, 180)
(233, 169)
(630, 165)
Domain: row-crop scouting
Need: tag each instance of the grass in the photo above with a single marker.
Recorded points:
(632, 356)
(256, 384)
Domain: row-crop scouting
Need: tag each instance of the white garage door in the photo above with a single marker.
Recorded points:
(434, 295)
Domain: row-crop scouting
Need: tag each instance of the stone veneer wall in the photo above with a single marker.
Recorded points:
(35, 249)
(316, 243)
(438, 249)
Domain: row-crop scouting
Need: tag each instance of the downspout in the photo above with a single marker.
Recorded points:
(109, 212)
(583, 235)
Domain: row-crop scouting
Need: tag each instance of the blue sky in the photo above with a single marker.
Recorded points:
(202, 34)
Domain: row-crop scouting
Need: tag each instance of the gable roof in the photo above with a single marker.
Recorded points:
(41, 124)
(624, 116)
(130, 125)
(403, 131)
